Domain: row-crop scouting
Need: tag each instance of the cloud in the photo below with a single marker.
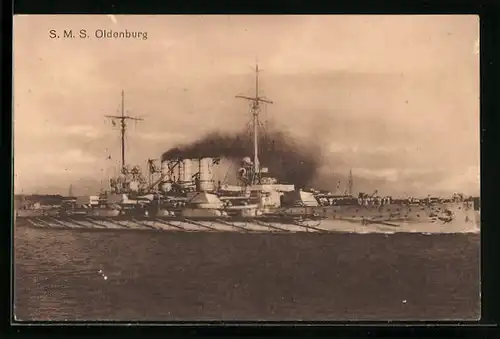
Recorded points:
(390, 174)
(336, 147)
(399, 181)
(71, 163)
(74, 161)
(381, 93)
(158, 136)
(86, 131)
(50, 130)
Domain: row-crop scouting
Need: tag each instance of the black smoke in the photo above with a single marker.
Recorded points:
(289, 160)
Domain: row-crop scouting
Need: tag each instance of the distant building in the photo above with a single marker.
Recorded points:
(477, 203)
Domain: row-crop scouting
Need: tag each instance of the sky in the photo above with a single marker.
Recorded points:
(394, 98)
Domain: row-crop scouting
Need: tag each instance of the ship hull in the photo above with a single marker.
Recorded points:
(334, 219)
(444, 212)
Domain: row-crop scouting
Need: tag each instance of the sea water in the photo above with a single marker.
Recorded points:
(79, 274)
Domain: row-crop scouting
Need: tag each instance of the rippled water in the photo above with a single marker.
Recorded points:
(233, 276)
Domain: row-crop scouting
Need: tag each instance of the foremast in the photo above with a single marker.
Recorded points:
(123, 184)
(122, 119)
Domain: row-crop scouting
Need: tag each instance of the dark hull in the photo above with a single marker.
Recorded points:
(464, 222)
(392, 212)
(356, 218)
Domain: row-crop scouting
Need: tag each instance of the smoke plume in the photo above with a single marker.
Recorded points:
(288, 160)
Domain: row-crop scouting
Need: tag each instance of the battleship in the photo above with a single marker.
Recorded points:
(181, 194)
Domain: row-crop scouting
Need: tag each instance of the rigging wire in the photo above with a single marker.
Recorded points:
(224, 181)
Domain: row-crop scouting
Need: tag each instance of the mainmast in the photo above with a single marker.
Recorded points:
(123, 127)
(255, 109)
